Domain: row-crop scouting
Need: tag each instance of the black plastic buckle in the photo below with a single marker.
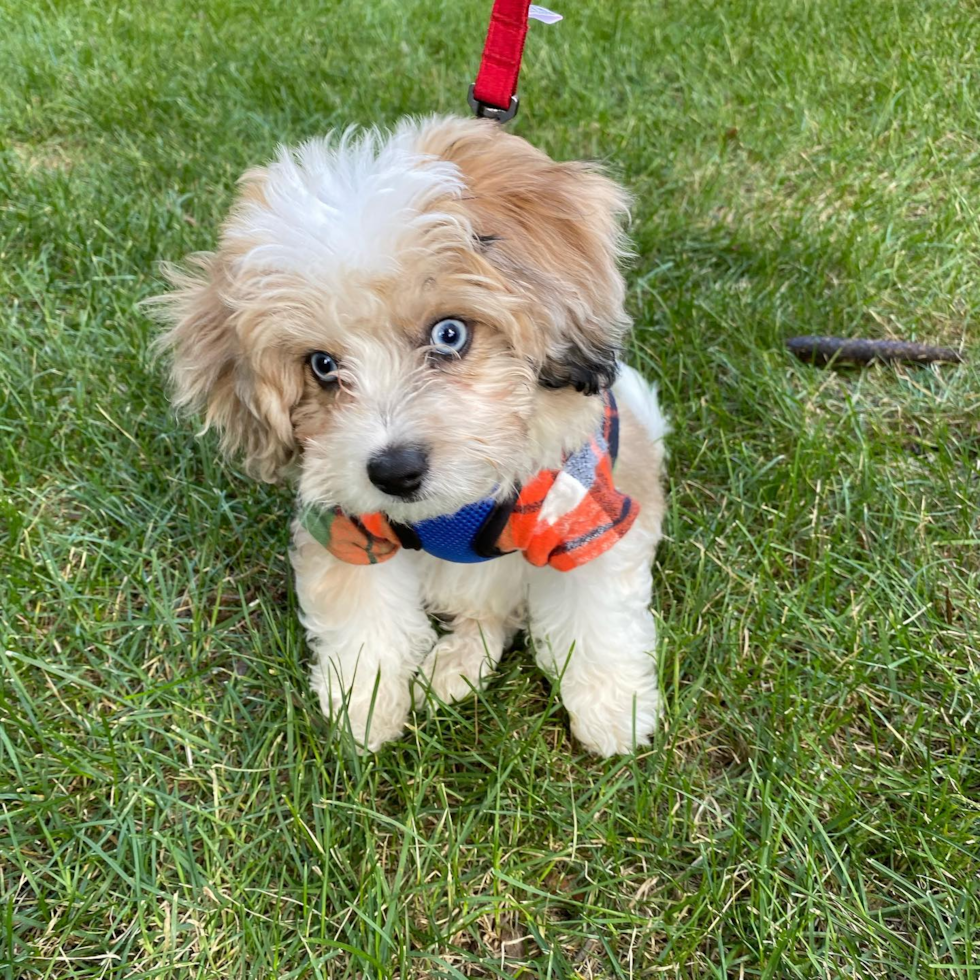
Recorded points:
(484, 110)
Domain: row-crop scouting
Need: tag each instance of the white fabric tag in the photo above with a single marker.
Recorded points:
(543, 14)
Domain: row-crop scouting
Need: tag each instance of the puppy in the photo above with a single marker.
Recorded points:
(421, 329)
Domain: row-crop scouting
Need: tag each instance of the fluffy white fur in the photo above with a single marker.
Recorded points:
(333, 206)
(355, 247)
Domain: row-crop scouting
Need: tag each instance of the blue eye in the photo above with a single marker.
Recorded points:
(324, 368)
(450, 336)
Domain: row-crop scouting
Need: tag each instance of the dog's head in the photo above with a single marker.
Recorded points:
(416, 320)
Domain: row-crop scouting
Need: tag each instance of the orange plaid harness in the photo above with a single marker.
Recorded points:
(562, 518)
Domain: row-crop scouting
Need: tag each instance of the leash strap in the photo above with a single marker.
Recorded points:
(493, 94)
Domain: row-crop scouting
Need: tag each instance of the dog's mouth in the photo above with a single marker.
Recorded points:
(404, 489)
(422, 506)
(427, 503)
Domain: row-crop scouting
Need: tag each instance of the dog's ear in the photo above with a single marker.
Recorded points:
(554, 231)
(588, 370)
(245, 399)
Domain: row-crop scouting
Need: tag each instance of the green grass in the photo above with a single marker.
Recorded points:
(171, 805)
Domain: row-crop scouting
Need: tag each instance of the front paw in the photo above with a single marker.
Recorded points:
(612, 718)
(456, 667)
(371, 710)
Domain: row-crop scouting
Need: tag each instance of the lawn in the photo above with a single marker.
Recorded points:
(171, 805)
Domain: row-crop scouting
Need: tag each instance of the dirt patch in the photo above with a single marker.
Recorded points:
(47, 157)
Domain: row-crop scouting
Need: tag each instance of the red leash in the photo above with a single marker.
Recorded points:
(493, 94)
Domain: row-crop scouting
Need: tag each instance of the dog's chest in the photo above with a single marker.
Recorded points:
(497, 588)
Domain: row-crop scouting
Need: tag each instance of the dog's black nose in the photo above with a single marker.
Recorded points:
(399, 470)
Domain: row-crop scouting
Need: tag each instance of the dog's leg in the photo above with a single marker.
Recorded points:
(593, 631)
(368, 632)
(463, 659)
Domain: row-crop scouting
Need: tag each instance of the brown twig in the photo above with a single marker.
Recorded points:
(837, 350)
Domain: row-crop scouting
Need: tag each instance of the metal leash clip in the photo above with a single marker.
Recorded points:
(483, 110)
